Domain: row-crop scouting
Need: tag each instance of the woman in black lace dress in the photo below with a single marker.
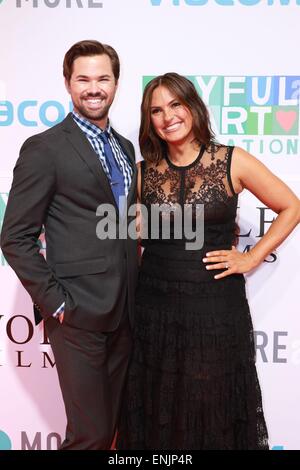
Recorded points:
(192, 381)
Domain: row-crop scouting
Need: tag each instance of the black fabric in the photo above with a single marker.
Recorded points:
(192, 381)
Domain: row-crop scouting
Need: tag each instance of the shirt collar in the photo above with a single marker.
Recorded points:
(88, 127)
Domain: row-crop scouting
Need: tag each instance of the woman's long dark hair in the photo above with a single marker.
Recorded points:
(153, 148)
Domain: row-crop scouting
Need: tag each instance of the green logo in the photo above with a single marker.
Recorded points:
(250, 105)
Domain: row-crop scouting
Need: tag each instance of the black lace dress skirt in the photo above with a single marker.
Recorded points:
(192, 381)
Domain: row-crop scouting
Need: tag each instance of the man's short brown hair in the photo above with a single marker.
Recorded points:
(90, 48)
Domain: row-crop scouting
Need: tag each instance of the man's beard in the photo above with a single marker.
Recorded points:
(95, 115)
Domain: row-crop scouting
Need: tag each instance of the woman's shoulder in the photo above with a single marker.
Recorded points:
(219, 150)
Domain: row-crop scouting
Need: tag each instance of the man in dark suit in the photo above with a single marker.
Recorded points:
(84, 290)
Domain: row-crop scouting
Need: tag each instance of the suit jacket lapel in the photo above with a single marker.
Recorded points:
(86, 152)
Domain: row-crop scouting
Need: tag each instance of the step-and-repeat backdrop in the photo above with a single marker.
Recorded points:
(242, 57)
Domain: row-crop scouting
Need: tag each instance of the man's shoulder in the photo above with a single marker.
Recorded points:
(47, 136)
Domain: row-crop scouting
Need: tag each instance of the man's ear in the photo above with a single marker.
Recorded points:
(67, 85)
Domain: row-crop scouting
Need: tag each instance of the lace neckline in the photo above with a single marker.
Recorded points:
(190, 165)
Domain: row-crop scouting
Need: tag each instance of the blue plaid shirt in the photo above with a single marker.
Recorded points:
(92, 132)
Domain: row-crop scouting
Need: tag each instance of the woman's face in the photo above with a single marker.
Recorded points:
(171, 120)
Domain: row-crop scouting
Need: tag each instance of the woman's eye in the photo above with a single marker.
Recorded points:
(155, 111)
(176, 104)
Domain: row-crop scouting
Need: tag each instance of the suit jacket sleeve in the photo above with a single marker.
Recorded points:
(27, 209)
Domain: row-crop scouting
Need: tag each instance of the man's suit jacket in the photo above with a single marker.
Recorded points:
(59, 183)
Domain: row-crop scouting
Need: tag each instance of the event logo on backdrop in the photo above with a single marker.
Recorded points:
(271, 346)
(154, 3)
(57, 3)
(20, 332)
(224, 3)
(38, 441)
(32, 113)
(260, 113)
(30, 440)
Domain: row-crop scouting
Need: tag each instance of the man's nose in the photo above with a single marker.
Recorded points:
(93, 87)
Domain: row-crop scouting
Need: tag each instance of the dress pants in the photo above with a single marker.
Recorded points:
(91, 367)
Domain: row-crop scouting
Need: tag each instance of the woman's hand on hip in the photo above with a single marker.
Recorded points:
(232, 261)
